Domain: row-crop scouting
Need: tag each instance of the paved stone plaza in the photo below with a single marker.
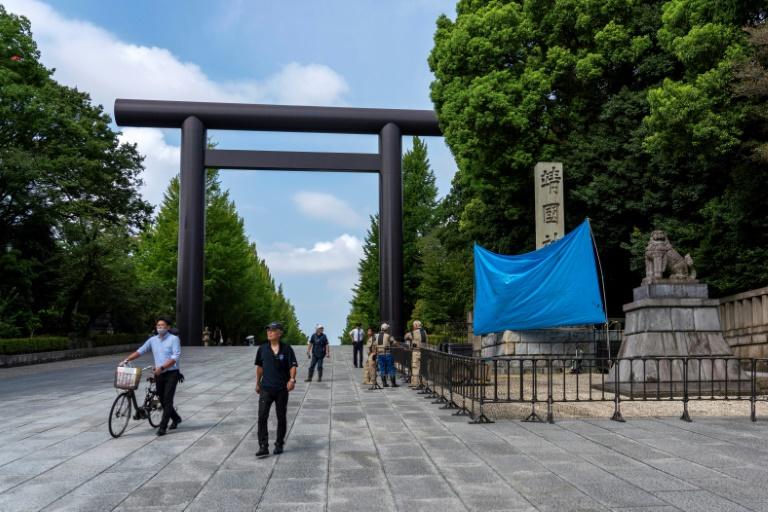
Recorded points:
(351, 449)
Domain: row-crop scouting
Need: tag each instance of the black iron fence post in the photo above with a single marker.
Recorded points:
(444, 361)
(534, 391)
(462, 379)
(550, 398)
(451, 378)
(419, 380)
(753, 394)
(685, 416)
(478, 376)
(617, 392)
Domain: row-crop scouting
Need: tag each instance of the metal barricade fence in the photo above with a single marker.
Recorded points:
(469, 384)
(401, 356)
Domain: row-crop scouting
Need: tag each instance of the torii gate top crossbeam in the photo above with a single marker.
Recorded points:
(282, 118)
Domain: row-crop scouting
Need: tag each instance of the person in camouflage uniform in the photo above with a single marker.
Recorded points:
(382, 344)
(416, 339)
(369, 374)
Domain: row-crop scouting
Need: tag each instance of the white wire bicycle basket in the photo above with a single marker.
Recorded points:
(127, 377)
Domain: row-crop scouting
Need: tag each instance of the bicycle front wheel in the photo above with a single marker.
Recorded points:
(120, 414)
(154, 410)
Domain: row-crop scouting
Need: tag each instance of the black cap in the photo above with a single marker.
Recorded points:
(275, 325)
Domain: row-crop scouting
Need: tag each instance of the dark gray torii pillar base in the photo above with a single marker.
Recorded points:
(194, 117)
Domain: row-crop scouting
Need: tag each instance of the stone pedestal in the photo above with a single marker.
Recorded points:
(673, 319)
(542, 343)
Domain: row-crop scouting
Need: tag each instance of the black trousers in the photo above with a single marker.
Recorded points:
(357, 353)
(166, 389)
(280, 399)
(316, 361)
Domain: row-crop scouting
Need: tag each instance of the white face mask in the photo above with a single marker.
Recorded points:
(161, 331)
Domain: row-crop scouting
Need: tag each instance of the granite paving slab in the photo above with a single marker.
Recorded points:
(350, 449)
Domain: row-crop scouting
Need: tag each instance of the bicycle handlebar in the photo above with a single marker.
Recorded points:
(130, 365)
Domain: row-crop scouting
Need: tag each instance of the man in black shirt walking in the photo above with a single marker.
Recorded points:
(275, 377)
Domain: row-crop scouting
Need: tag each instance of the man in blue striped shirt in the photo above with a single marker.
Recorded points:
(166, 349)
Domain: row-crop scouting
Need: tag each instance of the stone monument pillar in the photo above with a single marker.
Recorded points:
(672, 316)
(548, 199)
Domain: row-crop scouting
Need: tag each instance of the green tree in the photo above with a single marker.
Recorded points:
(444, 276)
(365, 294)
(240, 294)
(751, 82)
(69, 200)
(419, 204)
(633, 97)
(284, 311)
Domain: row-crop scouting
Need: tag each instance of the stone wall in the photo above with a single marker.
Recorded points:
(744, 318)
(562, 342)
(61, 355)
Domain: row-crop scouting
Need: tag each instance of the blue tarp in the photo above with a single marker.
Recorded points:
(554, 286)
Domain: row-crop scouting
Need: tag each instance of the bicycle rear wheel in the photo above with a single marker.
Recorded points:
(154, 411)
(120, 414)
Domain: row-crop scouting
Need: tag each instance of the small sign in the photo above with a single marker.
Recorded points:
(548, 195)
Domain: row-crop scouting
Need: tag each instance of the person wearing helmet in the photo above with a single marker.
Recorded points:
(380, 345)
(318, 349)
(369, 375)
(417, 339)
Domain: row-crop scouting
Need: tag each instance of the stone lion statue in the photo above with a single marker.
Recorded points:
(661, 258)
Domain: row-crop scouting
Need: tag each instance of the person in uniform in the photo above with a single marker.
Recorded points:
(417, 339)
(206, 336)
(369, 375)
(382, 344)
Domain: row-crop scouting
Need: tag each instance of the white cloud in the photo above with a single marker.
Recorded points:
(327, 207)
(341, 254)
(94, 60)
(161, 160)
(310, 84)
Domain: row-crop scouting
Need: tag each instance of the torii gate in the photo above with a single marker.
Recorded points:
(194, 118)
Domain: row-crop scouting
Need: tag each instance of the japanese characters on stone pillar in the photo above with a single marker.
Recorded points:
(548, 193)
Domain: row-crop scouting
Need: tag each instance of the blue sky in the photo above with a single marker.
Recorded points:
(360, 53)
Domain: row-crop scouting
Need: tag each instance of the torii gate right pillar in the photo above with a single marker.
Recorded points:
(391, 230)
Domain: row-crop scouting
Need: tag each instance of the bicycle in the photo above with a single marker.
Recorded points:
(120, 413)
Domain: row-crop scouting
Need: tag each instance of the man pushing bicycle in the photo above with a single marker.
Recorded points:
(166, 349)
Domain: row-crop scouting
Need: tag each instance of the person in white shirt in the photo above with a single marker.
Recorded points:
(358, 338)
(166, 350)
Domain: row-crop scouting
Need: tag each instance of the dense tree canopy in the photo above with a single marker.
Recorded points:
(77, 246)
(419, 208)
(240, 294)
(639, 100)
(69, 204)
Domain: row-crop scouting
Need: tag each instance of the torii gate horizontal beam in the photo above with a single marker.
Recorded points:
(292, 160)
(276, 118)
